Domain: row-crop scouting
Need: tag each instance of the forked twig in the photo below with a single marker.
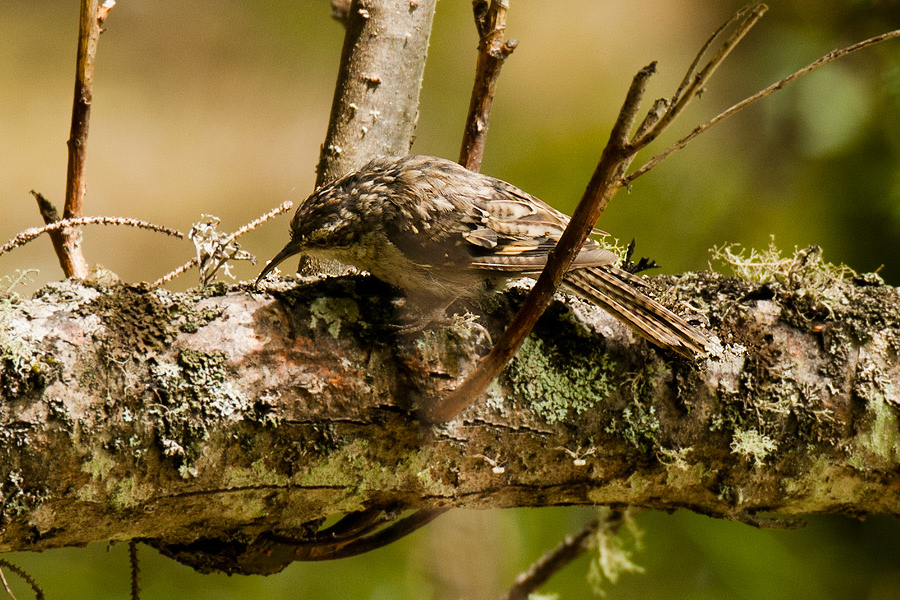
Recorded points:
(606, 180)
(353, 535)
(830, 57)
(360, 545)
(617, 156)
(694, 84)
(715, 35)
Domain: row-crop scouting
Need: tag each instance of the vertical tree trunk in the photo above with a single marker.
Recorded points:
(376, 98)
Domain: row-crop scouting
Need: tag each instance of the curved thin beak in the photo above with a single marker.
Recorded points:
(286, 252)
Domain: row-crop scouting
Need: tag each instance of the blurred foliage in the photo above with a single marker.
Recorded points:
(220, 107)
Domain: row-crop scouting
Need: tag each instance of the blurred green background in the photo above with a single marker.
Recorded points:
(220, 107)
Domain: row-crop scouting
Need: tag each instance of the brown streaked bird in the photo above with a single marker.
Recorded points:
(442, 233)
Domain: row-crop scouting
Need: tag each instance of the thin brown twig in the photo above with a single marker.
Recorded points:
(492, 52)
(283, 207)
(92, 15)
(712, 38)
(616, 157)
(350, 527)
(356, 524)
(23, 237)
(38, 592)
(541, 570)
(830, 57)
(752, 14)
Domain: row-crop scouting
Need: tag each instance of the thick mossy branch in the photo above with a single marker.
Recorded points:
(230, 416)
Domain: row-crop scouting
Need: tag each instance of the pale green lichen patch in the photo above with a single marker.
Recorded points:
(634, 487)
(556, 384)
(680, 471)
(192, 319)
(196, 395)
(804, 268)
(380, 476)
(882, 438)
(751, 444)
(98, 465)
(254, 475)
(128, 492)
(637, 423)
(826, 485)
(354, 467)
(334, 312)
(432, 472)
(809, 289)
(878, 440)
(345, 466)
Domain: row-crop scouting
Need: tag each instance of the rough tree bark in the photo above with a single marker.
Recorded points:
(376, 99)
(229, 416)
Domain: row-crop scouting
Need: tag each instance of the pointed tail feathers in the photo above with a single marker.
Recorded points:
(614, 290)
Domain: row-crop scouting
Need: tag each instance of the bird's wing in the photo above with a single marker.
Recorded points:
(512, 231)
(476, 221)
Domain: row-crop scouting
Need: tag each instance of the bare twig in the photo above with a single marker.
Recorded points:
(135, 569)
(92, 15)
(686, 93)
(355, 524)
(175, 273)
(283, 207)
(616, 157)
(831, 56)
(379, 539)
(38, 592)
(538, 573)
(6, 587)
(492, 52)
(688, 75)
(26, 236)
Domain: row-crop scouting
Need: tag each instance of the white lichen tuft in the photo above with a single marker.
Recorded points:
(752, 444)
